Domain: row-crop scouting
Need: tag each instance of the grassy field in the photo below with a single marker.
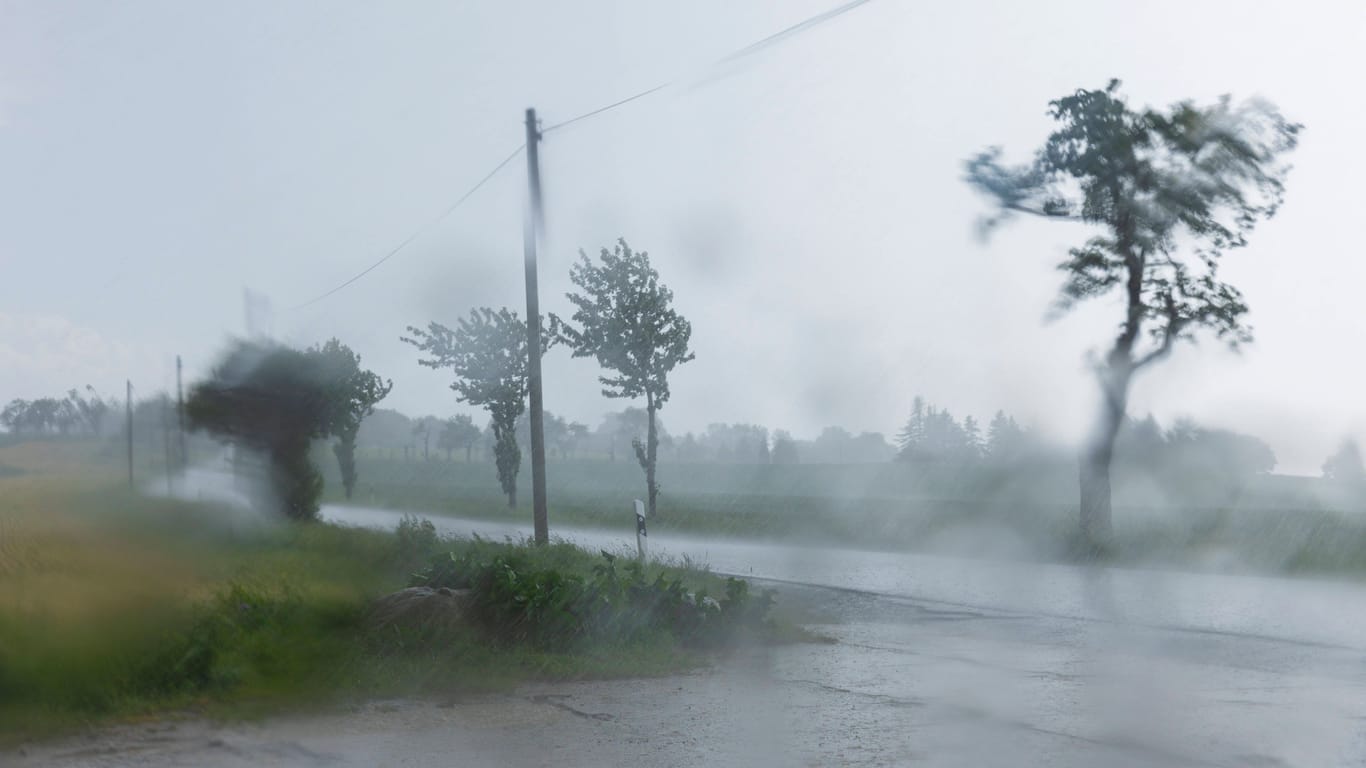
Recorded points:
(1268, 524)
(115, 605)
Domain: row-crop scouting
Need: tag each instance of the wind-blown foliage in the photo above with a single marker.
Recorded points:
(353, 394)
(275, 400)
(488, 353)
(1172, 191)
(626, 322)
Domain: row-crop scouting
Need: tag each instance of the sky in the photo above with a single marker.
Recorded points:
(805, 204)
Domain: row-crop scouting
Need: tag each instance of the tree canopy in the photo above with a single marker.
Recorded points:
(275, 400)
(352, 395)
(487, 351)
(1171, 192)
(626, 321)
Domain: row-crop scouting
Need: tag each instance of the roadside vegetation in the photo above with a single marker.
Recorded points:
(119, 606)
(1173, 518)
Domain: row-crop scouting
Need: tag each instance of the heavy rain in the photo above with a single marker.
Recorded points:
(667, 384)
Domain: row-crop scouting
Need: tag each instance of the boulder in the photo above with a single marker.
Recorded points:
(422, 609)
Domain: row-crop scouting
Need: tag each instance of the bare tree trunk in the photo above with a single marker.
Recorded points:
(1096, 519)
(651, 454)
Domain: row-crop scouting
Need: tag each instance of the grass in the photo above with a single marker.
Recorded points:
(117, 606)
(1262, 524)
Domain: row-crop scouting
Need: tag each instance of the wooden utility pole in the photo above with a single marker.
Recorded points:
(533, 331)
(128, 408)
(184, 456)
(166, 437)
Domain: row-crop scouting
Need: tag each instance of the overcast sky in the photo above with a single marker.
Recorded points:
(805, 204)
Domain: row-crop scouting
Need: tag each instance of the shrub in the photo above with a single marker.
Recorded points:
(416, 539)
(555, 609)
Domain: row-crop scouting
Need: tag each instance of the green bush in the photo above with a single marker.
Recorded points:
(416, 539)
(520, 600)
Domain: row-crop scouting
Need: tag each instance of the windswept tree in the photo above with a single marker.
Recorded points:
(626, 321)
(274, 400)
(1168, 193)
(353, 393)
(488, 353)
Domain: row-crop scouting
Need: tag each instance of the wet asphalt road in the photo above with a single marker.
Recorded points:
(905, 684)
(937, 662)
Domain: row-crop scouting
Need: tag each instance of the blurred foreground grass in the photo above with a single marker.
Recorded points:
(114, 605)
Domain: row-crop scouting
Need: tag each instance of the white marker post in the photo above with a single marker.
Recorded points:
(640, 529)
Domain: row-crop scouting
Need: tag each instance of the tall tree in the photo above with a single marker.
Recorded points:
(488, 353)
(1171, 192)
(972, 439)
(353, 394)
(626, 321)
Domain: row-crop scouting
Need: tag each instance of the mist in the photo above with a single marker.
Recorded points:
(986, 372)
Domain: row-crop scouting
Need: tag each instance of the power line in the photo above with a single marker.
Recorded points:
(795, 29)
(733, 56)
(613, 105)
(740, 53)
(418, 232)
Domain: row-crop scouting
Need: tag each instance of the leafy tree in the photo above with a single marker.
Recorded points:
(739, 443)
(90, 411)
(784, 448)
(424, 427)
(626, 322)
(1171, 192)
(16, 416)
(1199, 452)
(275, 400)
(574, 434)
(352, 395)
(384, 430)
(488, 353)
(1345, 463)
(554, 427)
(458, 432)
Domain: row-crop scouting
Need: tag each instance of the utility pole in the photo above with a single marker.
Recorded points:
(166, 437)
(180, 416)
(533, 330)
(128, 408)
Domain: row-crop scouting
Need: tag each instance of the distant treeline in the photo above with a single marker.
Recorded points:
(931, 435)
(73, 413)
(389, 433)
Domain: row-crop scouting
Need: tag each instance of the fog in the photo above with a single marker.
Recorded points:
(887, 419)
(804, 203)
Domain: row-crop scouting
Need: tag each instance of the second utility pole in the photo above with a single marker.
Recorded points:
(533, 331)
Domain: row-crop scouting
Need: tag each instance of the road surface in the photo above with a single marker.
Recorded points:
(938, 662)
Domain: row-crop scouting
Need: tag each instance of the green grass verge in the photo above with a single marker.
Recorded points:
(115, 606)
